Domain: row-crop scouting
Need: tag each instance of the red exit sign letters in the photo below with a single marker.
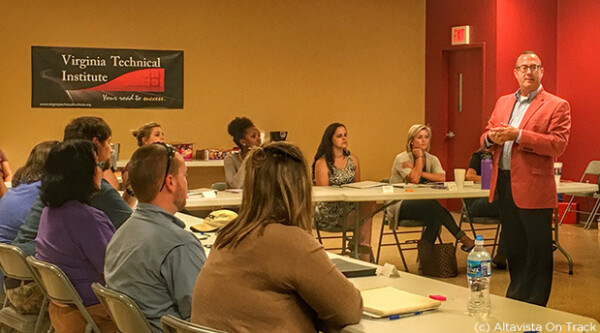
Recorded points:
(461, 35)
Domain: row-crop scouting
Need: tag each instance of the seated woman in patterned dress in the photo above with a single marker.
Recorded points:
(335, 165)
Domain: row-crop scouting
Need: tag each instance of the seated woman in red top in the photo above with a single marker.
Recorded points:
(72, 234)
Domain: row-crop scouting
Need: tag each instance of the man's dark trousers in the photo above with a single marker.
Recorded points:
(529, 246)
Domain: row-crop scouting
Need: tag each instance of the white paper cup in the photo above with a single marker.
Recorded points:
(459, 178)
(557, 172)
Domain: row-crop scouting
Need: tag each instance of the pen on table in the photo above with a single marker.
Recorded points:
(398, 316)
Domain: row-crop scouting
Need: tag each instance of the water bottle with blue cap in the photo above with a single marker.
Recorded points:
(479, 273)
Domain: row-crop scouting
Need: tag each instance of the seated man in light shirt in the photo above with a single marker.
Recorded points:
(151, 258)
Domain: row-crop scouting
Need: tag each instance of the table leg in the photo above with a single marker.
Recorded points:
(557, 243)
(357, 231)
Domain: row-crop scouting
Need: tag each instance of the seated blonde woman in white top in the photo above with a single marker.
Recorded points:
(416, 165)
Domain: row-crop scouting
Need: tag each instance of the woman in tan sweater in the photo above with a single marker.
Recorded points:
(266, 271)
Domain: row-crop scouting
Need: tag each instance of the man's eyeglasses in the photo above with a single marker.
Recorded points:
(524, 68)
(170, 153)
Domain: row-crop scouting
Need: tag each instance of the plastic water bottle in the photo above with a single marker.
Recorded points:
(479, 273)
(486, 173)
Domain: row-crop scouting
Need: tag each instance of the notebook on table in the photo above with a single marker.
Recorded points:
(386, 301)
(431, 184)
(364, 184)
(203, 192)
(351, 269)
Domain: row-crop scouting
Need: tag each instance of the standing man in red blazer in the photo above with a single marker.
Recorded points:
(526, 132)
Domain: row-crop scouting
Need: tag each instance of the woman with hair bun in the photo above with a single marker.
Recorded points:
(148, 133)
(246, 136)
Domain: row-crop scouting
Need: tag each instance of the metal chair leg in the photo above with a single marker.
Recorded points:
(400, 250)
(496, 240)
(344, 239)
(383, 220)
(590, 219)
(460, 222)
(41, 315)
(318, 233)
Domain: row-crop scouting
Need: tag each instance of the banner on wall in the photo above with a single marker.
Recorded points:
(106, 78)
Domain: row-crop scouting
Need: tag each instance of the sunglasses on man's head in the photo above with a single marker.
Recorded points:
(170, 153)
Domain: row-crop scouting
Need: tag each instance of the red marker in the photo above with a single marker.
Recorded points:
(438, 297)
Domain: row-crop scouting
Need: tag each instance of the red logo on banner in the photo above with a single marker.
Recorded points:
(151, 79)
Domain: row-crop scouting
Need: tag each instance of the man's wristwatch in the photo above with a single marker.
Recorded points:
(130, 192)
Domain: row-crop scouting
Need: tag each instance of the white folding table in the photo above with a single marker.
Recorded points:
(329, 193)
(507, 315)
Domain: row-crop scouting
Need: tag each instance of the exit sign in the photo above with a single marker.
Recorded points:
(461, 35)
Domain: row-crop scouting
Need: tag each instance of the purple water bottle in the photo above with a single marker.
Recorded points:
(486, 173)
